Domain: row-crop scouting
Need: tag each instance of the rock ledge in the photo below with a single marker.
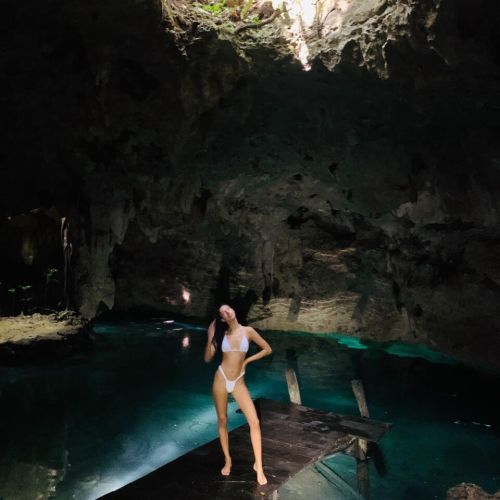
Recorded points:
(28, 336)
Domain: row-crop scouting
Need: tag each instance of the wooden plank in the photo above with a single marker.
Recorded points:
(278, 448)
(375, 424)
(304, 414)
(372, 430)
(299, 449)
(362, 428)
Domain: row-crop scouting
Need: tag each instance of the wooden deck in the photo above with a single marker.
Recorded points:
(293, 437)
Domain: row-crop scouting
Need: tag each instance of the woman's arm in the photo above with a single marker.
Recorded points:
(265, 347)
(210, 348)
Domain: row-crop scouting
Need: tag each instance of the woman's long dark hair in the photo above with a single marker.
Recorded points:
(220, 330)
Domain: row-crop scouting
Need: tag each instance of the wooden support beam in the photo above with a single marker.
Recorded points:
(363, 478)
(359, 393)
(340, 484)
(293, 386)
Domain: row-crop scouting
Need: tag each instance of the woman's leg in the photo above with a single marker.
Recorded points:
(242, 397)
(219, 394)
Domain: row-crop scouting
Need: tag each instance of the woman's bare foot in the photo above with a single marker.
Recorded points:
(261, 478)
(227, 468)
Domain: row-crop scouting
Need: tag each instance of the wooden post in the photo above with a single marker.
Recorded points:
(363, 478)
(359, 393)
(362, 448)
(293, 386)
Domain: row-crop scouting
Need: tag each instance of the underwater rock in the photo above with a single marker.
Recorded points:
(470, 491)
(29, 480)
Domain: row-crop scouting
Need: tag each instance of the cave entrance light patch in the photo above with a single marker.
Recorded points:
(311, 19)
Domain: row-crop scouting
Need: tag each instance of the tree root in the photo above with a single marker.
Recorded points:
(247, 26)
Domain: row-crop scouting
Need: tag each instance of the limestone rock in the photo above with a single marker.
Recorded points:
(470, 491)
(41, 335)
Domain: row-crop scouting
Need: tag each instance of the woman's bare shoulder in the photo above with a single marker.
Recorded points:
(249, 331)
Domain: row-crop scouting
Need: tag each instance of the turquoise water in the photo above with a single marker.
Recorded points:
(140, 397)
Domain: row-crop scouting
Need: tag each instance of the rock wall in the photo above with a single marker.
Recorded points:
(200, 164)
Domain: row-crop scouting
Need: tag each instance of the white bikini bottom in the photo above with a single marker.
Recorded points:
(230, 383)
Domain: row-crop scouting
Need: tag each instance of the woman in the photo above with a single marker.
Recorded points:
(229, 379)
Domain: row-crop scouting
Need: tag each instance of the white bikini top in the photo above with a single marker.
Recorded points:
(243, 346)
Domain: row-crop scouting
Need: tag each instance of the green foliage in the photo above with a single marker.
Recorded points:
(49, 275)
(246, 9)
(215, 7)
(255, 19)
